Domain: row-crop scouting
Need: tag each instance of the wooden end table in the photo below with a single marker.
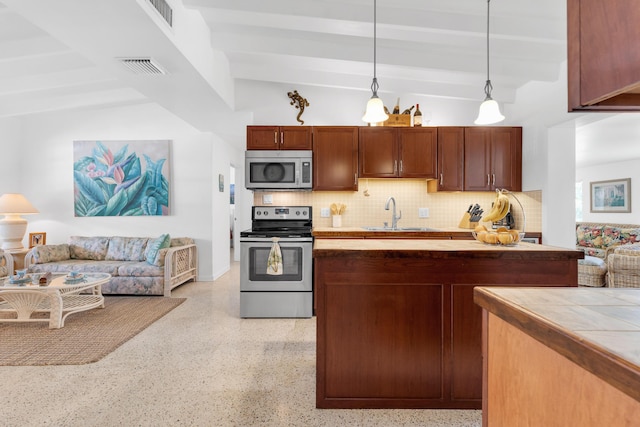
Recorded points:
(58, 298)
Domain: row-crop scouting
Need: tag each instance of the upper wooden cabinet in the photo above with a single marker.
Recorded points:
(279, 138)
(450, 160)
(492, 158)
(603, 57)
(386, 152)
(335, 158)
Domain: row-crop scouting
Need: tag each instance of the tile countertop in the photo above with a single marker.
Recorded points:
(596, 328)
(437, 249)
(433, 233)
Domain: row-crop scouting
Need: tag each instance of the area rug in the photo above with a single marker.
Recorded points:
(86, 337)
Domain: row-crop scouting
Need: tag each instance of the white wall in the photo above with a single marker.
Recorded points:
(605, 172)
(344, 107)
(44, 156)
(10, 149)
(548, 154)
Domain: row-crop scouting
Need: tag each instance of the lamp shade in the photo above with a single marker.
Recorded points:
(489, 113)
(375, 111)
(12, 226)
(16, 204)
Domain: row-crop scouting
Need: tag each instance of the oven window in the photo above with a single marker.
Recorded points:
(263, 172)
(291, 264)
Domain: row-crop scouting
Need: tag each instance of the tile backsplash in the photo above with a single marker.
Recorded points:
(365, 207)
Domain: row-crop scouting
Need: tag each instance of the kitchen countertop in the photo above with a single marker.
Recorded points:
(433, 248)
(360, 233)
(596, 328)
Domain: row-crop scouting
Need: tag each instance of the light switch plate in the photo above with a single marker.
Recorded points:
(324, 213)
(267, 199)
(423, 212)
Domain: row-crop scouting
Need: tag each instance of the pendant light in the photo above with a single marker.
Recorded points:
(489, 110)
(375, 107)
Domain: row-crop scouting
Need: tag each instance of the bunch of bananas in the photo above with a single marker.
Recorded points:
(500, 208)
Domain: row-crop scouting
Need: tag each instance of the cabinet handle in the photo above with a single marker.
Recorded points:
(400, 166)
(282, 138)
(395, 166)
(275, 137)
(488, 180)
(355, 179)
(441, 180)
(494, 179)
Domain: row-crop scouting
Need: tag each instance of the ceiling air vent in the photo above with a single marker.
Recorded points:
(142, 65)
(164, 10)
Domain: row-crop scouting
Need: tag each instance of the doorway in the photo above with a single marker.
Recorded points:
(232, 211)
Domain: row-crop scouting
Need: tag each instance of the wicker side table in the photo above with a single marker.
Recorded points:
(592, 272)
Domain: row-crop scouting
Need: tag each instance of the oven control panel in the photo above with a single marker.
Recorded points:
(281, 212)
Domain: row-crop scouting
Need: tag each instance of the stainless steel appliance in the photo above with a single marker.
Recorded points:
(289, 294)
(278, 169)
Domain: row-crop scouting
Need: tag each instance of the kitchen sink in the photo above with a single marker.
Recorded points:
(399, 229)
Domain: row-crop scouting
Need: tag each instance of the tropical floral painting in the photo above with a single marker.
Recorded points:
(121, 178)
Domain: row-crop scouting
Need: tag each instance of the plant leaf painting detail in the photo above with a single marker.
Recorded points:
(108, 184)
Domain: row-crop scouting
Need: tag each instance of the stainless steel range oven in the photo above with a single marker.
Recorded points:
(276, 264)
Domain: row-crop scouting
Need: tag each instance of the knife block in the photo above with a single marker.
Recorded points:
(465, 223)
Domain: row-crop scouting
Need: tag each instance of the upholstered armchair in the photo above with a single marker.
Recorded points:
(6, 264)
(624, 267)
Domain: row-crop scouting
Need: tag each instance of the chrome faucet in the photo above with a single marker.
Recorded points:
(394, 218)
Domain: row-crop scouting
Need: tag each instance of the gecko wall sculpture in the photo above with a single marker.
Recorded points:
(299, 102)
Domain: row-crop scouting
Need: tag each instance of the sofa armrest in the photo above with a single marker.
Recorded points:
(7, 259)
(29, 258)
(180, 265)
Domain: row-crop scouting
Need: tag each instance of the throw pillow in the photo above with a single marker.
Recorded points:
(154, 246)
(127, 249)
(51, 253)
(93, 248)
(591, 260)
(159, 261)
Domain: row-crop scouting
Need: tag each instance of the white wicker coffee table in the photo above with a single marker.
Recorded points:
(59, 299)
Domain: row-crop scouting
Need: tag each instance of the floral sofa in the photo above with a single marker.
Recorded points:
(598, 241)
(6, 264)
(138, 265)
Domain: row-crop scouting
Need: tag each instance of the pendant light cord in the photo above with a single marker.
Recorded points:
(488, 87)
(374, 83)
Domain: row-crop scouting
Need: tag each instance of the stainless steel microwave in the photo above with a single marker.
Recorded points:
(278, 169)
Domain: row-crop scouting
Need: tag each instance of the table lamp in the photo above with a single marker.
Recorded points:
(13, 226)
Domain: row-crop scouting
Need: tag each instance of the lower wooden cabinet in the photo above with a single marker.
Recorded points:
(404, 331)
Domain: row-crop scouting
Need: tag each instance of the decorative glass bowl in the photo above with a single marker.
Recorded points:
(500, 237)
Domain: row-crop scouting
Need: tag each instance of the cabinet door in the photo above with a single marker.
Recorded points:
(466, 344)
(493, 158)
(418, 152)
(477, 159)
(603, 58)
(506, 158)
(295, 138)
(263, 138)
(450, 158)
(378, 152)
(335, 158)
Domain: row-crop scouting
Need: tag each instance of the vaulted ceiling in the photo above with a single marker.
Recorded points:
(63, 54)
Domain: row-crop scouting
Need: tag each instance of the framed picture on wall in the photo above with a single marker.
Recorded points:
(611, 196)
(36, 239)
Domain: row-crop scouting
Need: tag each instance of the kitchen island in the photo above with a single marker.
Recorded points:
(561, 357)
(396, 323)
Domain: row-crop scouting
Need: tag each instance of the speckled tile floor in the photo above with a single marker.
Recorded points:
(200, 365)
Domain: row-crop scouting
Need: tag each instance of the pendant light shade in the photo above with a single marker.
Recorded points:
(375, 108)
(489, 110)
